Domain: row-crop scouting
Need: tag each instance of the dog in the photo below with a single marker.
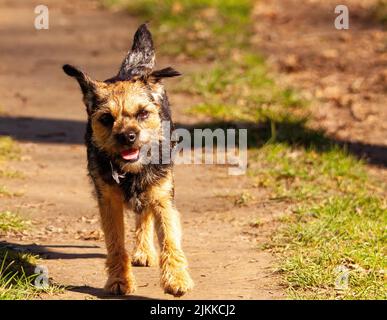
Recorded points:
(121, 112)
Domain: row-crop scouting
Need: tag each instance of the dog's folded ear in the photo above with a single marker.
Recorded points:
(140, 60)
(73, 71)
(164, 73)
(85, 82)
(92, 90)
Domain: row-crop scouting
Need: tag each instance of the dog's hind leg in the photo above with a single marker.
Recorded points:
(175, 278)
(120, 280)
(144, 253)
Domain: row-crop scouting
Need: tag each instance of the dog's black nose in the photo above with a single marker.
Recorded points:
(132, 137)
(126, 137)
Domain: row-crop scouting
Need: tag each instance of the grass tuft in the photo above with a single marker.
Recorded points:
(8, 149)
(11, 222)
(17, 275)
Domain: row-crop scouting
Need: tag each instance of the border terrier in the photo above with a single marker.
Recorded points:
(125, 114)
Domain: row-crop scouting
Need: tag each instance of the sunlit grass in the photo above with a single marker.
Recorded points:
(295, 173)
(340, 232)
(197, 28)
(242, 91)
(338, 219)
(10, 221)
(17, 275)
(8, 149)
(7, 173)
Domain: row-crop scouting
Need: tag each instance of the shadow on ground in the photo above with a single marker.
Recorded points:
(295, 133)
(101, 293)
(43, 130)
(51, 251)
(13, 251)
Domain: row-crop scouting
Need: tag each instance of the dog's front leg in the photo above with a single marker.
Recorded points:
(144, 253)
(120, 280)
(175, 278)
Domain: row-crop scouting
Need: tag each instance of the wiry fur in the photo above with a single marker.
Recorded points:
(114, 107)
(141, 58)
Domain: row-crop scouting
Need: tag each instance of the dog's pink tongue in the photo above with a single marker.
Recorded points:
(130, 154)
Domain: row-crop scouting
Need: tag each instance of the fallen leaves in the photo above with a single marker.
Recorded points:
(89, 235)
(291, 63)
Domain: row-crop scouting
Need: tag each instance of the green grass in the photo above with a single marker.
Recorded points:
(16, 268)
(8, 149)
(17, 275)
(242, 91)
(341, 231)
(338, 219)
(196, 28)
(6, 173)
(298, 173)
(10, 221)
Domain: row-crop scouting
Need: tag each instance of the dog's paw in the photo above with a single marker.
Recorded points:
(120, 286)
(144, 259)
(177, 282)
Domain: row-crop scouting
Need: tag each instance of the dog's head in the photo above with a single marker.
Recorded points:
(126, 111)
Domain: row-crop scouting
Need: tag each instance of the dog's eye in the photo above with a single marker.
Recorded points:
(106, 119)
(143, 114)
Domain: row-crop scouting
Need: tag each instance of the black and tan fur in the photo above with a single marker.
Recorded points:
(119, 109)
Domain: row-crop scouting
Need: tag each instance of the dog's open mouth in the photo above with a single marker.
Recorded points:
(131, 154)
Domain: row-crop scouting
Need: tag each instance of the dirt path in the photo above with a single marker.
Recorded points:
(42, 109)
(343, 71)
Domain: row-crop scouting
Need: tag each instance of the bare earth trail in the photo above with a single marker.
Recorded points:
(343, 71)
(42, 109)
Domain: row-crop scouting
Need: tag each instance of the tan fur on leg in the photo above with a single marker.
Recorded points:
(175, 278)
(144, 253)
(120, 279)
